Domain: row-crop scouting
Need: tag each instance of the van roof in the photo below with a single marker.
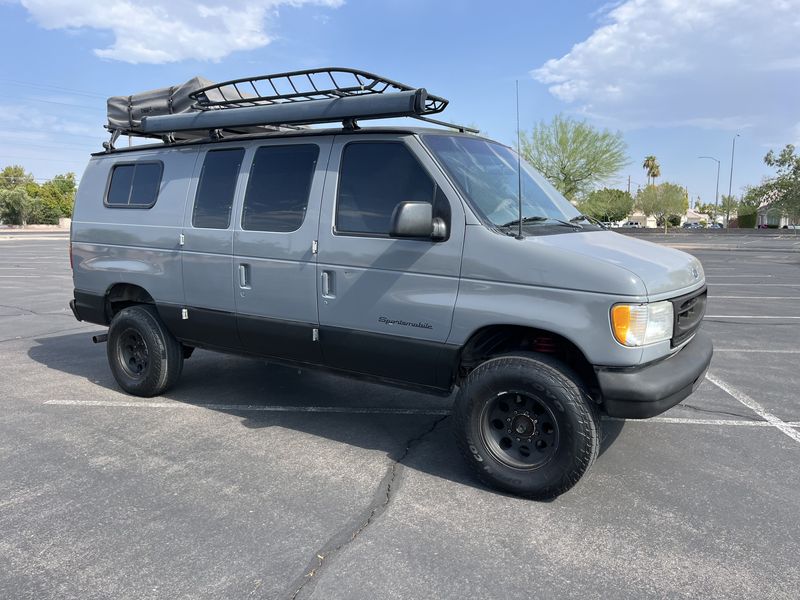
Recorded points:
(306, 132)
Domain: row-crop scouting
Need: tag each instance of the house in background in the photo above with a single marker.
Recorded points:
(693, 216)
(639, 219)
(771, 216)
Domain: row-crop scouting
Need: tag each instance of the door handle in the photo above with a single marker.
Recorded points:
(244, 276)
(327, 284)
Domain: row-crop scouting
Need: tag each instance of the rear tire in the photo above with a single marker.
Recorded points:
(145, 358)
(526, 425)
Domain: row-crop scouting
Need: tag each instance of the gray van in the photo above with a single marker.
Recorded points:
(424, 257)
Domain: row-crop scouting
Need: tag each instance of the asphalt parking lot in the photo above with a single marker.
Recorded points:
(251, 480)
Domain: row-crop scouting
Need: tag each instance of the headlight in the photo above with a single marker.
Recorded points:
(641, 324)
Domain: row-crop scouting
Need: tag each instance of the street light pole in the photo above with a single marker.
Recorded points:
(730, 181)
(716, 193)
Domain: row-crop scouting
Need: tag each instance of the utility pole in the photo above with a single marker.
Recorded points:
(716, 193)
(730, 181)
(629, 185)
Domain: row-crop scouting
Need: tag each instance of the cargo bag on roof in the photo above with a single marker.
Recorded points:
(125, 112)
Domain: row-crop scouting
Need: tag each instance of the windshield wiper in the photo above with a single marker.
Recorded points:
(530, 219)
(541, 219)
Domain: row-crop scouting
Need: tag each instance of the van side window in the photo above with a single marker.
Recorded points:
(277, 192)
(134, 185)
(374, 178)
(216, 188)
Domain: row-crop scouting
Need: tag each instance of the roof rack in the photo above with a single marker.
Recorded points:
(274, 102)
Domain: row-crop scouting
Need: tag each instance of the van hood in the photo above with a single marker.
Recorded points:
(661, 270)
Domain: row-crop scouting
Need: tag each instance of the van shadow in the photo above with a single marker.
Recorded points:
(328, 406)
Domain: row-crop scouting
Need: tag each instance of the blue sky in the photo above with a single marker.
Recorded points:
(679, 78)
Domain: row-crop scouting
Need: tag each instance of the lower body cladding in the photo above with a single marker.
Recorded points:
(648, 390)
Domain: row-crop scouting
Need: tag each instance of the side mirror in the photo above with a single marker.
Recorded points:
(415, 220)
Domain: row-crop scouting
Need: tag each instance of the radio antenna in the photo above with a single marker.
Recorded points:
(519, 172)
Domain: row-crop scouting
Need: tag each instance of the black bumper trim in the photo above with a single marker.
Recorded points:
(89, 307)
(649, 390)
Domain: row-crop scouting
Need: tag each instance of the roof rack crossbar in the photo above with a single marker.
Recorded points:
(345, 82)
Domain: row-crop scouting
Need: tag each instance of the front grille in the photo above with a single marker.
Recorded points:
(689, 311)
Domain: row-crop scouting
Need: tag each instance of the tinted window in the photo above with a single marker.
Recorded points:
(375, 178)
(277, 193)
(215, 190)
(134, 185)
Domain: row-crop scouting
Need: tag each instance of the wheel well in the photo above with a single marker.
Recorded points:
(122, 295)
(502, 339)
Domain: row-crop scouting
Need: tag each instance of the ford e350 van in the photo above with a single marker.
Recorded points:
(415, 256)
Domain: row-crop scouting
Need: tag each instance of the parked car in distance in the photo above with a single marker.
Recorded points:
(692, 226)
(608, 224)
(632, 225)
(716, 226)
(426, 258)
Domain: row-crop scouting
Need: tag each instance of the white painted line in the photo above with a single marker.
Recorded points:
(19, 276)
(368, 411)
(746, 317)
(757, 297)
(755, 407)
(750, 276)
(253, 407)
(759, 284)
(16, 268)
(756, 351)
(682, 421)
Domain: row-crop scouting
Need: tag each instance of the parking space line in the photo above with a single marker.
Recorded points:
(756, 351)
(684, 421)
(748, 276)
(747, 317)
(755, 407)
(370, 411)
(253, 407)
(756, 297)
(759, 284)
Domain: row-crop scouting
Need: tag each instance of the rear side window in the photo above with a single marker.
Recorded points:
(376, 177)
(134, 185)
(277, 192)
(216, 188)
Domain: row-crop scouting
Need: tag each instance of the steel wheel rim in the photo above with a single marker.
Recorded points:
(132, 353)
(519, 430)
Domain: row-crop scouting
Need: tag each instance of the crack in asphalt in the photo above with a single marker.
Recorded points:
(383, 495)
(719, 412)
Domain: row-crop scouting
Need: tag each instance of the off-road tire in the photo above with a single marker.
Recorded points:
(145, 359)
(556, 388)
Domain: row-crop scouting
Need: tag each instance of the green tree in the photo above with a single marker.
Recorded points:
(573, 155)
(662, 201)
(728, 205)
(16, 206)
(607, 204)
(56, 197)
(651, 168)
(14, 176)
(785, 185)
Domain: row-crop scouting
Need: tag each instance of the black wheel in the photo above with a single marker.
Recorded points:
(144, 357)
(525, 425)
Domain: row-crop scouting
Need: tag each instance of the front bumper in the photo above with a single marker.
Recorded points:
(648, 390)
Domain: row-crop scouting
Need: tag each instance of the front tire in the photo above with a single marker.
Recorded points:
(526, 426)
(145, 359)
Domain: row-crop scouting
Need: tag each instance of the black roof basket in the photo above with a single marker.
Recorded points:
(288, 100)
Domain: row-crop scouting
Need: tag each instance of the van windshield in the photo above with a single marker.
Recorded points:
(486, 173)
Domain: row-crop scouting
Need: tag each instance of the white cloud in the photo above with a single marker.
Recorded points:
(715, 64)
(161, 31)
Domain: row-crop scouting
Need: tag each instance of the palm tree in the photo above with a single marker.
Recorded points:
(652, 168)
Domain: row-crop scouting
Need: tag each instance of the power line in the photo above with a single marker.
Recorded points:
(59, 103)
(43, 86)
(75, 162)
